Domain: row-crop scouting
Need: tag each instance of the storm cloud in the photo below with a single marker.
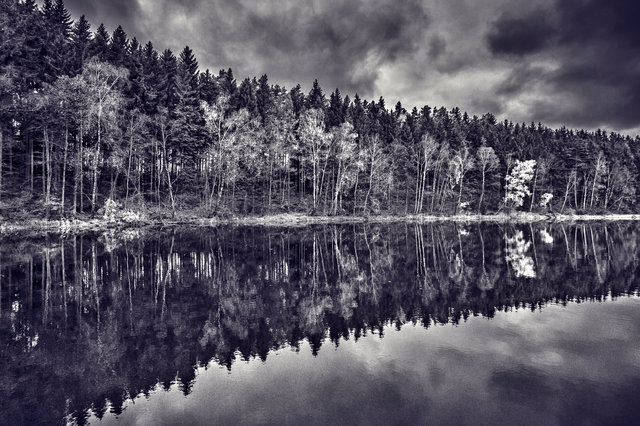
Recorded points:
(522, 35)
(562, 62)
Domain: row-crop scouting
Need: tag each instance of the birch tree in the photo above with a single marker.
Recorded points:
(461, 163)
(104, 105)
(316, 142)
(487, 162)
(223, 156)
(345, 153)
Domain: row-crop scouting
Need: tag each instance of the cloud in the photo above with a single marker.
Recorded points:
(562, 62)
(520, 35)
(520, 78)
(342, 43)
(437, 46)
(112, 13)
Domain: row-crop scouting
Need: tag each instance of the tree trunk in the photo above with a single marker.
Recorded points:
(126, 196)
(575, 191)
(31, 162)
(417, 195)
(64, 169)
(607, 191)
(455, 210)
(81, 164)
(423, 183)
(355, 193)
(168, 173)
(270, 183)
(46, 170)
(1, 150)
(481, 192)
(566, 194)
(94, 191)
(533, 192)
(593, 187)
(337, 186)
(366, 198)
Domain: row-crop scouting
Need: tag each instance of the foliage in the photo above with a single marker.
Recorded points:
(86, 117)
(518, 180)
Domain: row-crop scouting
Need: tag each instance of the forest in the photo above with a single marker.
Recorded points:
(93, 122)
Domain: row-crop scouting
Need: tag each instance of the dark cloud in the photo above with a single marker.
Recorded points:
(112, 13)
(484, 104)
(590, 20)
(577, 62)
(520, 79)
(520, 35)
(342, 43)
(600, 63)
(437, 46)
(563, 62)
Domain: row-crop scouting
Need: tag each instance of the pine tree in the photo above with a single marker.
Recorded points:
(246, 97)
(118, 53)
(189, 68)
(57, 23)
(335, 115)
(167, 89)
(297, 99)
(315, 99)
(188, 131)
(264, 98)
(207, 87)
(80, 42)
(100, 43)
(150, 80)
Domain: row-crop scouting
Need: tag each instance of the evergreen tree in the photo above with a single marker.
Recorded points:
(80, 42)
(189, 68)
(118, 48)
(167, 90)
(246, 97)
(297, 99)
(207, 87)
(315, 99)
(100, 43)
(335, 112)
(264, 98)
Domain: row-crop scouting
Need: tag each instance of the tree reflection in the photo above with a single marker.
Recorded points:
(90, 321)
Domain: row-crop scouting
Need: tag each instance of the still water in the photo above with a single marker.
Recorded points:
(354, 324)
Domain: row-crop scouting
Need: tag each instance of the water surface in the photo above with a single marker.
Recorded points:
(358, 324)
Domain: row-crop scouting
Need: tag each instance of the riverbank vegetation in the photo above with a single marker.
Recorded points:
(90, 118)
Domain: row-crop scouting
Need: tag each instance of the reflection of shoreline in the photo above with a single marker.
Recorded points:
(294, 220)
(150, 305)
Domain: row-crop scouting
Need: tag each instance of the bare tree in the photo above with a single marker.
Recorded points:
(104, 103)
(316, 142)
(222, 158)
(376, 163)
(599, 166)
(345, 149)
(487, 162)
(459, 166)
(542, 168)
(425, 160)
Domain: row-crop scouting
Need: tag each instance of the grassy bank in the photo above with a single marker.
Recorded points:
(83, 224)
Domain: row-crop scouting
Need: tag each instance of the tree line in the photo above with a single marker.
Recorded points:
(92, 118)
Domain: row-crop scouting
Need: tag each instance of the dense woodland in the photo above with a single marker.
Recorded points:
(90, 119)
(89, 321)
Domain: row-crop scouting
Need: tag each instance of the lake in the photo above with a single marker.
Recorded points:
(342, 324)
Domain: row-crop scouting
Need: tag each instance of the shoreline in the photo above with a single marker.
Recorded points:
(294, 220)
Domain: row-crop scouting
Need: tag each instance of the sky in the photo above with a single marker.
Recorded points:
(559, 62)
